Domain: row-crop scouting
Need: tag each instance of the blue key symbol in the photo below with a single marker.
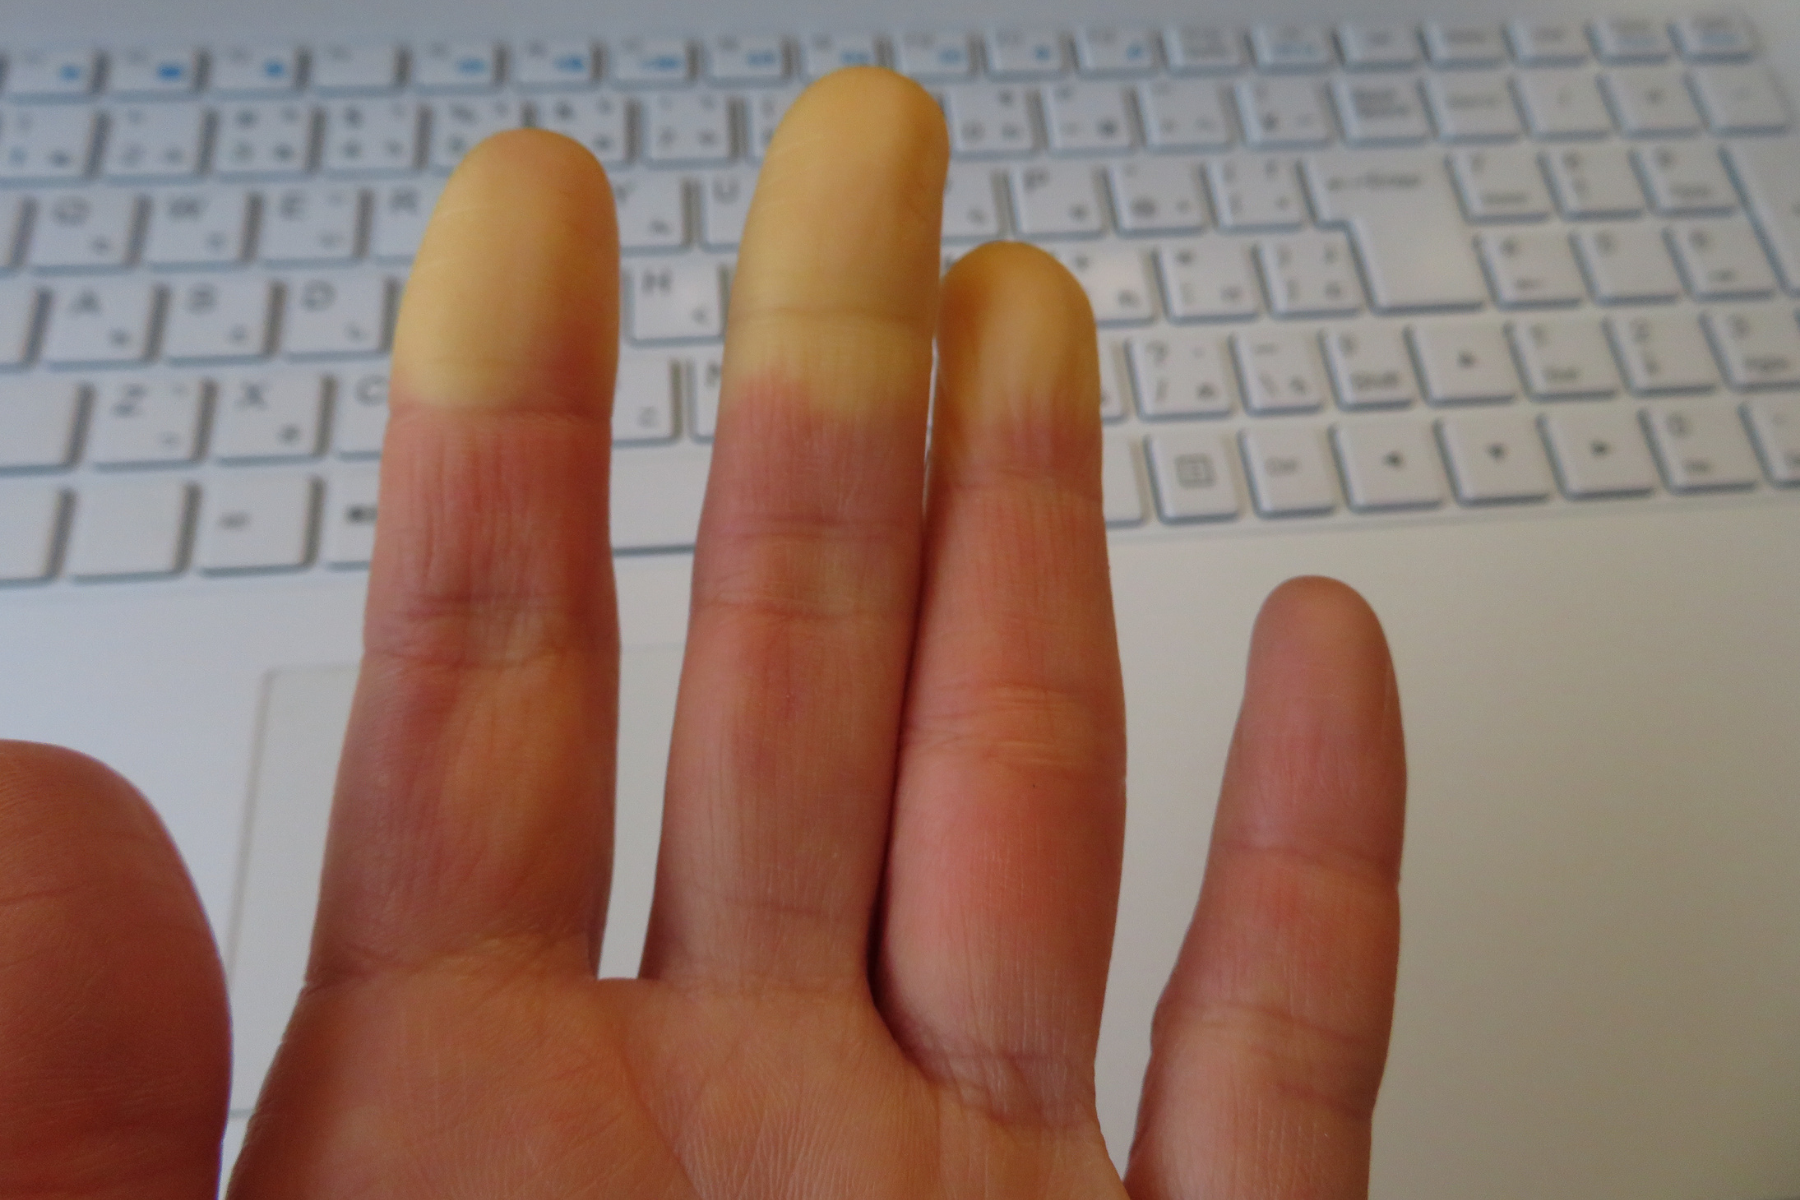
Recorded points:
(471, 66)
(570, 64)
(274, 68)
(169, 70)
(70, 72)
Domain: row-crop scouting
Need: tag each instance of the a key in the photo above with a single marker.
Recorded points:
(1290, 473)
(18, 321)
(45, 145)
(359, 413)
(1283, 112)
(51, 73)
(1025, 54)
(1563, 102)
(1631, 39)
(1085, 118)
(1758, 347)
(1372, 47)
(656, 500)
(1388, 465)
(1280, 370)
(1599, 451)
(343, 68)
(1721, 260)
(1206, 279)
(263, 138)
(707, 376)
(687, 127)
(154, 141)
(1775, 420)
(1371, 367)
(1195, 477)
(127, 530)
(822, 53)
(40, 422)
(100, 323)
(1112, 50)
(1181, 374)
(256, 523)
(675, 302)
(1472, 106)
(746, 58)
(724, 207)
(599, 121)
(989, 122)
(970, 213)
(1121, 489)
(30, 527)
(1662, 352)
(543, 64)
(158, 71)
(332, 315)
(1379, 111)
(1594, 181)
(1564, 357)
(1115, 380)
(763, 113)
(1156, 195)
(1261, 192)
(1714, 36)
(1627, 264)
(458, 124)
(311, 224)
(14, 208)
(1464, 44)
(350, 511)
(652, 211)
(145, 422)
(1184, 114)
(270, 69)
(1685, 178)
(94, 230)
(369, 137)
(399, 213)
(1113, 277)
(1652, 101)
(644, 400)
(1310, 274)
(1291, 47)
(1547, 42)
(652, 61)
(1739, 100)
(1701, 448)
(1399, 208)
(1463, 362)
(934, 55)
(1531, 268)
(1770, 176)
(218, 320)
(198, 227)
(456, 65)
(1500, 184)
(1057, 199)
(1495, 458)
(269, 417)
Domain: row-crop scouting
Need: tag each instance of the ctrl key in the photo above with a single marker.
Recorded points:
(131, 530)
(30, 527)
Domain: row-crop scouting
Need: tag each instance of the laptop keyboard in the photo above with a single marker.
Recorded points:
(1339, 273)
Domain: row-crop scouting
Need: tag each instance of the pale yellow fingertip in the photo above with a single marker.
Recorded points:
(513, 297)
(1015, 328)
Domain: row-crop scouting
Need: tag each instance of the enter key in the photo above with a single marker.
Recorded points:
(1409, 232)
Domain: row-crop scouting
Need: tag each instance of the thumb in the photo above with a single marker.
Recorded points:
(114, 1043)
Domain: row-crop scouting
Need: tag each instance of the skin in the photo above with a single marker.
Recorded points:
(891, 848)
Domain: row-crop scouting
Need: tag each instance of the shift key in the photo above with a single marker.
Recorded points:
(1409, 232)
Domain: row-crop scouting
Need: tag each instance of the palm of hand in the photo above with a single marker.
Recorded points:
(891, 842)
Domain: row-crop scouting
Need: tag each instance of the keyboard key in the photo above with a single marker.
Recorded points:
(257, 523)
(1388, 465)
(823, 53)
(1371, 367)
(1775, 420)
(1084, 118)
(1564, 357)
(1256, 192)
(271, 69)
(197, 227)
(1184, 114)
(1378, 111)
(1290, 472)
(541, 65)
(652, 211)
(724, 207)
(687, 127)
(312, 224)
(1378, 46)
(652, 61)
(1026, 54)
(51, 73)
(1057, 199)
(1543, 43)
(644, 400)
(989, 122)
(1291, 48)
(218, 320)
(263, 138)
(40, 420)
(1770, 177)
(1459, 44)
(351, 67)
(1530, 268)
(1280, 370)
(1500, 184)
(398, 216)
(1283, 112)
(1115, 380)
(369, 137)
(970, 212)
(1464, 362)
(14, 208)
(1700, 447)
(1207, 279)
(30, 527)
(1652, 101)
(1121, 491)
(1118, 290)
(359, 413)
(147, 422)
(1202, 49)
(1714, 36)
(1473, 106)
(350, 509)
(600, 122)
(1631, 39)
(1108, 50)
(931, 56)
(1181, 374)
(1399, 208)
(1563, 102)
(45, 145)
(1310, 274)
(1758, 347)
(746, 58)
(1685, 179)
(1739, 99)
(457, 125)
(1721, 260)
(675, 302)
(18, 321)
(1157, 195)
(153, 71)
(1627, 264)
(130, 530)
(1594, 181)
(1194, 475)
(329, 315)
(656, 500)
(1599, 451)
(450, 66)
(269, 417)
(1495, 458)
(76, 231)
(154, 141)
(1662, 352)
(100, 323)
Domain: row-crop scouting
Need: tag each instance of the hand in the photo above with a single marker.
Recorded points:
(884, 903)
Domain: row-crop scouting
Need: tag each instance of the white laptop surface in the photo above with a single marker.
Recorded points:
(1600, 976)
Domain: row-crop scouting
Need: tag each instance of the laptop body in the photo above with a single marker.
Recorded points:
(1600, 976)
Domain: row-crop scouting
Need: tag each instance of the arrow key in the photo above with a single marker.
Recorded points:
(1599, 451)
(1388, 465)
(1495, 459)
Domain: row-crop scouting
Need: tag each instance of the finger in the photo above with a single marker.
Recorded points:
(114, 1048)
(805, 577)
(1003, 875)
(1269, 1043)
(474, 798)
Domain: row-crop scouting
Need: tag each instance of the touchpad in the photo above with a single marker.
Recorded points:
(304, 715)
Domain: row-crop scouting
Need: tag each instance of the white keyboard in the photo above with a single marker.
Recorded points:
(1340, 273)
